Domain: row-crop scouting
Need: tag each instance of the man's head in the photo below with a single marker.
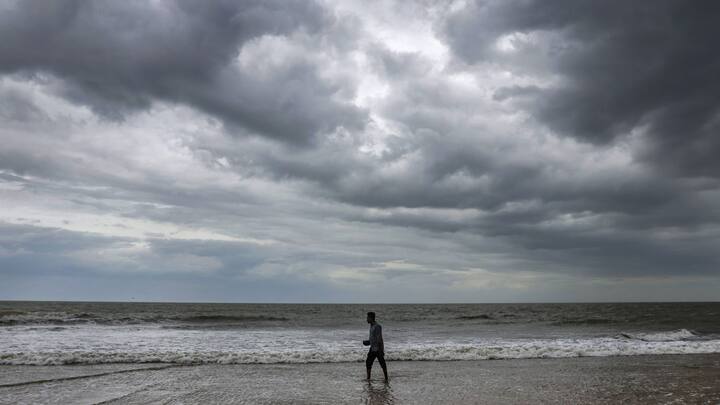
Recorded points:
(370, 317)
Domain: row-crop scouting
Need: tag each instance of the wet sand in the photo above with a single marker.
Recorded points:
(633, 379)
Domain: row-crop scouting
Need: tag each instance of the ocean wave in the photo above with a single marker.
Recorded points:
(680, 334)
(14, 318)
(10, 313)
(495, 350)
(11, 318)
(472, 317)
(228, 318)
(583, 321)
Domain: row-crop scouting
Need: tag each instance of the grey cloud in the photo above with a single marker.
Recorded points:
(27, 249)
(623, 65)
(236, 257)
(447, 165)
(604, 245)
(515, 92)
(36, 261)
(619, 253)
(615, 221)
(118, 57)
(23, 239)
(40, 263)
(399, 66)
(16, 107)
(461, 180)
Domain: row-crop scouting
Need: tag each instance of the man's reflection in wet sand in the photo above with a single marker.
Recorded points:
(377, 393)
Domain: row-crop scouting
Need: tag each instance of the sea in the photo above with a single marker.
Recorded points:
(63, 333)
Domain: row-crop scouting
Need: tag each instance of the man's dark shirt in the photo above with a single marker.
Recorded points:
(376, 339)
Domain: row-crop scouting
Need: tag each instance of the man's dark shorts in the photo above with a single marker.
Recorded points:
(375, 355)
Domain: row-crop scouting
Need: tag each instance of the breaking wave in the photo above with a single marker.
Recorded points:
(680, 334)
(673, 342)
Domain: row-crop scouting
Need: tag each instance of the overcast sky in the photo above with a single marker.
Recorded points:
(360, 151)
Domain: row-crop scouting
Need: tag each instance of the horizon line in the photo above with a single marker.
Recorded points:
(357, 303)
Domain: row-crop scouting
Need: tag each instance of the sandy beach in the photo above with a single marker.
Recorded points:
(630, 379)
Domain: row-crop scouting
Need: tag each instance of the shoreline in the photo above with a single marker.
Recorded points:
(676, 378)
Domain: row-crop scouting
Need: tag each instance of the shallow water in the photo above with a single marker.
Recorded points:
(598, 380)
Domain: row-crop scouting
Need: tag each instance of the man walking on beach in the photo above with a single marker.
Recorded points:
(377, 346)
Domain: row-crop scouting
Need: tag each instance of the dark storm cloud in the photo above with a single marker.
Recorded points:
(664, 241)
(601, 220)
(444, 171)
(445, 164)
(623, 65)
(456, 170)
(117, 57)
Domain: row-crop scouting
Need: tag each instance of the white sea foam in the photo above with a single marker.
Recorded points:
(669, 336)
(483, 350)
